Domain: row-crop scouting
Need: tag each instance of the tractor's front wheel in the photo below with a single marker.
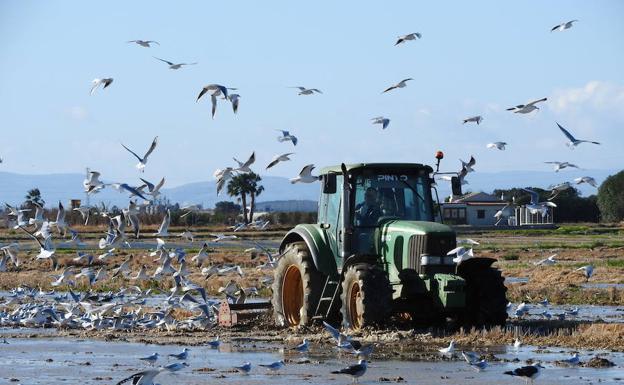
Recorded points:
(486, 300)
(366, 297)
(297, 287)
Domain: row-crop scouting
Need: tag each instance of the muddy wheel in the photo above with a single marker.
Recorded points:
(366, 297)
(297, 287)
(486, 301)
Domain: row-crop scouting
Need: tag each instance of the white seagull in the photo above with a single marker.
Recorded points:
(244, 166)
(449, 350)
(381, 120)
(563, 26)
(305, 176)
(235, 100)
(561, 165)
(215, 90)
(174, 66)
(287, 136)
(497, 145)
(547, 261)
(573, 142)
(151, 359)
(145, 377)
(401, 84)
(163, 230)
(143, 160)
(526, 108)
(279, 158)
(144, 43)
(274, 366)
(409, 36)
(95, 83)
(586, 179)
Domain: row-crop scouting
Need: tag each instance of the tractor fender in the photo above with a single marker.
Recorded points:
(318, 245)
(468, 266)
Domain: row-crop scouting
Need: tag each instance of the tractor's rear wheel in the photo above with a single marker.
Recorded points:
(486, 301)
(366, 297)
(297, 287)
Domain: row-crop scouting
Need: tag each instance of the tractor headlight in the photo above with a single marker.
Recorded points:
(426, 259)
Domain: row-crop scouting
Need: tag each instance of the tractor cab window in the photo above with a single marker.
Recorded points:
(380, 197)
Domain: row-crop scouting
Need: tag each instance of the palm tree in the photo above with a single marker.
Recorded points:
(243, 184)
(33, 198)
(237, 187)
(254, 190)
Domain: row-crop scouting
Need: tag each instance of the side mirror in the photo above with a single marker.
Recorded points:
(456, 186)
(329, 183)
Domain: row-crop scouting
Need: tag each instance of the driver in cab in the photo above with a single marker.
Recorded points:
(368, 212)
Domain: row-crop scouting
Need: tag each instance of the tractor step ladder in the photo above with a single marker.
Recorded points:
(328, 297)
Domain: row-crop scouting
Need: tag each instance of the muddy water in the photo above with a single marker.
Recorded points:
(51, 361)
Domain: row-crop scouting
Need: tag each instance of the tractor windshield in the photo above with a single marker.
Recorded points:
(385, 196)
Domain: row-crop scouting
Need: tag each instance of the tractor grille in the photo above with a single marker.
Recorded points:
(432, 244)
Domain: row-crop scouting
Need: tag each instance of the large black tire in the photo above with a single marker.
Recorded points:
(486, 301)
(366, 297)
(297, 287)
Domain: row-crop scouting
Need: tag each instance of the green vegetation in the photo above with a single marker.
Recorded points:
(611, 198)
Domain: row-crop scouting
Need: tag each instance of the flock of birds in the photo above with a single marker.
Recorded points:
(343, 343)
(132, 308)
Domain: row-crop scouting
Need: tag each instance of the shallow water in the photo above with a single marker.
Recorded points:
(53, 361)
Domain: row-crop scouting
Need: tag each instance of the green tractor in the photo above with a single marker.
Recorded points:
(377, 252)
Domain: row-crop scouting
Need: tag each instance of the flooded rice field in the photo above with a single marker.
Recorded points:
(55, 360)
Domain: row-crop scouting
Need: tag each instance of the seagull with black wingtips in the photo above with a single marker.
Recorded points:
(529, 373)
(573, 142)
(401, 84)
(143, 160)
(563, 26)
(526, 108)
(174, 66)
(144, 43)
(104, 82)
(354, 371)
(279, 158)
(408, 37)
(287, 136)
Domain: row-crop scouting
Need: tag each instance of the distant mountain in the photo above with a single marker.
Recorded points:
(63, 187)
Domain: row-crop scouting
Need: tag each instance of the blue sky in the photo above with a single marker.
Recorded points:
(476, 57)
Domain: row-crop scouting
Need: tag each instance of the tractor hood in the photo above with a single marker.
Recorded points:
(415, 228)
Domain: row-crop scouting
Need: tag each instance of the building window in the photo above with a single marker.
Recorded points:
(447, 213)
(453, 213)
(481, 214)
(462, 213)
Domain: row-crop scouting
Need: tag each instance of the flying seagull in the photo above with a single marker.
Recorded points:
(468, 165)
(143, 160)
(409, 36)
(95, 83)
(235, 100)
(144, 43)
(381, 120)
(561, 165)
(215, 90)
(244, 166)
(287, 136)
(307, 91)
(526, 108)
(573, 142)
(279, 158)
(401, 84)
(497, 145)
(477, 119)
(563, 26)
(305, 176)
(535, 206)
(586, 179)
(174, 66)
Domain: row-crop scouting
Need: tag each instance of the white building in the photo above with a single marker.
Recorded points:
(474, 209)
